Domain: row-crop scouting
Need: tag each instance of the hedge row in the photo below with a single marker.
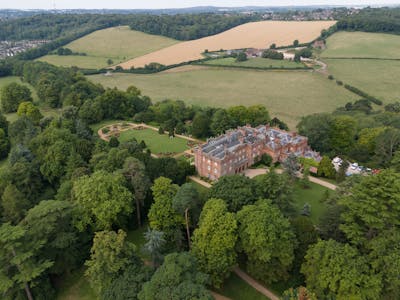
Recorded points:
(363, 94)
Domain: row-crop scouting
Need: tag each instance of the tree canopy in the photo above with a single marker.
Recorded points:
(214, 241)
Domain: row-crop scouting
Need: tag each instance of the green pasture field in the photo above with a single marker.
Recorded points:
(157, 143)
(255, 63)
(362, 45)
(287, 95)
(117, 43)
(379, 78)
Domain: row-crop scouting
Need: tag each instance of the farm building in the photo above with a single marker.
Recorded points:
(235, 151)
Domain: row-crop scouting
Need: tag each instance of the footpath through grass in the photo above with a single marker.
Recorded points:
(157, 143)
(237, 289)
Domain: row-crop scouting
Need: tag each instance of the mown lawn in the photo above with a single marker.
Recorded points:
(237, 289)
(362, 44)
(255, 63)
(314, 195)
(289, 95)
(157, 143)
(117, 43)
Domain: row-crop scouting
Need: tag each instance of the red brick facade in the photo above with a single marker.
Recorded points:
(238, 149)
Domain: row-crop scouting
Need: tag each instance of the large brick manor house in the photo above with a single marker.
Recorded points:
(238, 149)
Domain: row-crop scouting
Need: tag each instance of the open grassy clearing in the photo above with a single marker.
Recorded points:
(251, 35)
(9, 79)
(11, 117)
(314, 196)
(157, 143)
(75, 287)
(362, 44)
(255, 63)
(379, 78)
(287, 95)
(116, 43)
(237, 289)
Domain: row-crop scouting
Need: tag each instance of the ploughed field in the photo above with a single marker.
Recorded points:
(250, 35)
(286, 94)
(117, 43)
(368, 61)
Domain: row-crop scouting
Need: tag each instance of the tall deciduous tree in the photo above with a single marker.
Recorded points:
(265, 236)
(177, 278)
(342, 133)
(220, 122)
(201, 125)
(387, 143)
(325, 168)
(278, 188)
(162, 215)
(384, 257)
(12, 95)
(317, 129)
(102, 200)
(337, 271)
(110, 256)
(214, 241)
(4, 144)
(235, 190)
(139, 183)
(14, 205)
(187, 202)
(50, 223)
(31, 111)
(127, 285)
(19, 263)
(372, 207)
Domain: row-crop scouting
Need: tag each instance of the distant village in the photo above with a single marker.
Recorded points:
(12, 48)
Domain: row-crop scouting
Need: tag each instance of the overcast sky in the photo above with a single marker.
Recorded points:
(120, 4)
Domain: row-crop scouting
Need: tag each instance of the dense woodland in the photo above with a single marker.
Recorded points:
(189, 27)
(68, 199)
(385, 20)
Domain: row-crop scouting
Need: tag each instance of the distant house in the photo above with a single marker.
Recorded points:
(252, 53)
(319, 44)
(238, 149)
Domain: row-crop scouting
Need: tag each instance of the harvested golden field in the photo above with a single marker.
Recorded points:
(250, 35)
(116, 43)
